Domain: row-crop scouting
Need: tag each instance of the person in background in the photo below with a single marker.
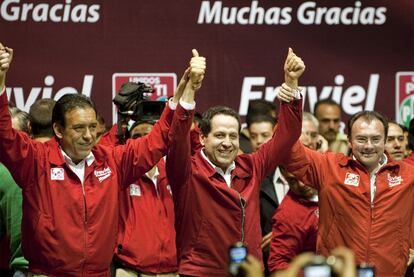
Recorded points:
(11, 204)
(295, 222)
(146, 240)
(41, 119)
(100, 128)
(410, 158)
(395, 143)
(328, 113)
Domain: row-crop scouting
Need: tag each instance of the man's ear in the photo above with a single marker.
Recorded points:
(202, 139)
(58, 129)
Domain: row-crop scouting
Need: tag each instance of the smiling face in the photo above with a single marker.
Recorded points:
(222, 142)
(395, 144)
(79, 134)
(368, 142)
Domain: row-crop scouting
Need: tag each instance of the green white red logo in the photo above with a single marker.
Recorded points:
(404, 97)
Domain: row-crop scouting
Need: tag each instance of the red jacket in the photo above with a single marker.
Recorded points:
(65, 233)
(410, 159)
(210, 216)
(294, 230)
(146, 239)
(110, 138)
(379, 234)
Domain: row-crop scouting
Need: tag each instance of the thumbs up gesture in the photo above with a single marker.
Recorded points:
(6, 56)
(197, 69)
(294, 68)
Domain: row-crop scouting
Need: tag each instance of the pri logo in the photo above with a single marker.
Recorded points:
(57, 173)
(163, 83)
(351, 179)
(404, 97)
(134, 190)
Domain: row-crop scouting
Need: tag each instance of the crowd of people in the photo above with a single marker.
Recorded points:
(168, 197)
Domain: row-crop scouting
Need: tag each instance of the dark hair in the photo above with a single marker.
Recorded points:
(368, 116)
(261, 118)
(260, 106)
(411, 134)
(326, 101)
(70, 102)
(22, 117)
(41, 117)
(205, 123)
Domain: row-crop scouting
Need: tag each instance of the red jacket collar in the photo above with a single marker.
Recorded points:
(56, 157)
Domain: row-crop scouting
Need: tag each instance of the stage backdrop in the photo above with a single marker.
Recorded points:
(359, 53)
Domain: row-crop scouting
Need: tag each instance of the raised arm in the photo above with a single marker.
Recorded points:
(179, 154)
(17, 150)
(288, 130)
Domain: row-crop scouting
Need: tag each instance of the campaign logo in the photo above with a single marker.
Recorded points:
(163, 84)
(351, 179)
(404, 97)
(394, 180)
(134, 190)
(103, 174)
(57, 173)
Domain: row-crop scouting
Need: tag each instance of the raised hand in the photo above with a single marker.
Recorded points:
(197, 69)
(181, 86)
(294, 68)
(286, 93)
(6, 56)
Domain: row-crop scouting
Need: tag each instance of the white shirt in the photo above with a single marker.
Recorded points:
(226, 175)
(79, 169)
(373, 178)
(280, 184)
(154, 178)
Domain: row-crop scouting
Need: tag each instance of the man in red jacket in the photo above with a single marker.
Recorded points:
(70, 185)
(365, 199)
(146, 243)
(216, 192)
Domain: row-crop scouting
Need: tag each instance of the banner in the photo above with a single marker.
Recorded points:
(354, 51)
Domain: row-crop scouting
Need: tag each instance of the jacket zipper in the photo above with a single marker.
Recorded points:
(85, 233)
(371, 218)
(243, 206)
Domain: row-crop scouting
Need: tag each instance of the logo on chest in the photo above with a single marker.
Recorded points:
(57, 173)
(351, 179)
(103, 174)
(134, 190)
(394, 180)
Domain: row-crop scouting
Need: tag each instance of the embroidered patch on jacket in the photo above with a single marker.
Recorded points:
(351, 179)
(134, 190)
(57, 173)
(394, 180)
(103, 174)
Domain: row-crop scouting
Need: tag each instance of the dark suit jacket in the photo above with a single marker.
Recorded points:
(268, 204)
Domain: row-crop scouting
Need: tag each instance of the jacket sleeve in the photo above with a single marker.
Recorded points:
(178, 164)
(138, 156)
(17, 151)
(287, 132)
(287, 241)
(307, 165)
(195, 140)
